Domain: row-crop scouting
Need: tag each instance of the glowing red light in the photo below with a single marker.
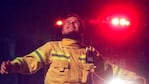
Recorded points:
(59, 22)
(120, 22)
(115, 21)
(124, 22)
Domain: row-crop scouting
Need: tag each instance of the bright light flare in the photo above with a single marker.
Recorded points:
(120, 81)
(116, 81)
(124, 22)
(120, 22)
(59, 22)
(115, 21)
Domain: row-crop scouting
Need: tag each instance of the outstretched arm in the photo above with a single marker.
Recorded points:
(127, 75)
(106, 71)
(29, 63)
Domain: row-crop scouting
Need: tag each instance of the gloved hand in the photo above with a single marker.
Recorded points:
(6, 67)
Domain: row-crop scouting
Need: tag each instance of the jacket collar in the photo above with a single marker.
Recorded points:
(71, 43)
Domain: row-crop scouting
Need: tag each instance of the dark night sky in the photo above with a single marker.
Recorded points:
(27, 24)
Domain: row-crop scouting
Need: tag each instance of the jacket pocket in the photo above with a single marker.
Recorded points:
(86, 68)
(59, 71)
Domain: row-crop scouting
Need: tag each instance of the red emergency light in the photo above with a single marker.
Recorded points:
(59, 22)
(120, 21)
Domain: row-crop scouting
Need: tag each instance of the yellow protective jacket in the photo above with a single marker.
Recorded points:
(65, 62)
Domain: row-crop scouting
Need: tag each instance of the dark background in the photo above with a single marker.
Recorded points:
(27, 24)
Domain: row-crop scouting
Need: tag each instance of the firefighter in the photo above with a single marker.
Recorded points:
(67, 60)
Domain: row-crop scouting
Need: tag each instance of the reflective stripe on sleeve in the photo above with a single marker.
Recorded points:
(115, 69)
(40, 55)
(120, 73)
(20, 61)
(82, 58)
